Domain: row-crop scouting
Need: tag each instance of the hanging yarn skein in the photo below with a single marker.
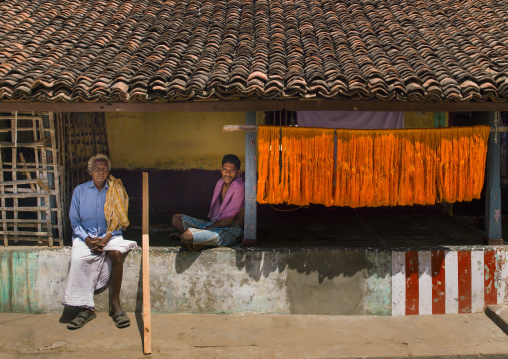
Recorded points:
(372, 168)
(295, 165)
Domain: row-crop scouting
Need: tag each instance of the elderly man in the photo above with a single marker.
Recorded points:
(225, 227)
(98, 213)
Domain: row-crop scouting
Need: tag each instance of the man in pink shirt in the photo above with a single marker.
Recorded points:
(225, 227)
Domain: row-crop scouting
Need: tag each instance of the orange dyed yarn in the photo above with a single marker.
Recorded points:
(373, 168)
(295, 165)
(268, 163)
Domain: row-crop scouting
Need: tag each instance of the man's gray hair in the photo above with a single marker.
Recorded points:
(98, 156)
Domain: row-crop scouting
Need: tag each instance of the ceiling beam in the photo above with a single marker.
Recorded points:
(256, 105)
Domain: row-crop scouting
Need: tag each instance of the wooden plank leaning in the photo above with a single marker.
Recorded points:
(147, 318)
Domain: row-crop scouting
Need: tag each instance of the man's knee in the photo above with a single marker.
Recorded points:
(187, 238)
(116, 257)
(177, 218)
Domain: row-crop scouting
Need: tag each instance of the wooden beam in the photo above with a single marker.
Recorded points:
(239, 128)
(493, 187)
(254, 128)
(147, 317)
(256, 105)
(250, 225)
(184, 106)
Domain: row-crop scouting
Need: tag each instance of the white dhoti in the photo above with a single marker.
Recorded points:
(89, 271)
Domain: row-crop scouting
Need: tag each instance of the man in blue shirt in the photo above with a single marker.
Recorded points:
(97, 254)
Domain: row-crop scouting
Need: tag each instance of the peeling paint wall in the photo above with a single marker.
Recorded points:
(297, 281)
(32, 281)
(221, 280)
(378, 289)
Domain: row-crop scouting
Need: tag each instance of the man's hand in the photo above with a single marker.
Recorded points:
(95, 244)
(98, 248)
(90, 242)
(221, 223)
(104, 240)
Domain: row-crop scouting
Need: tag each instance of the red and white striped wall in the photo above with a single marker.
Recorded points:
(447, 281)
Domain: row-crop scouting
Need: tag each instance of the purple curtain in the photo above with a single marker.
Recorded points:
(351, 119)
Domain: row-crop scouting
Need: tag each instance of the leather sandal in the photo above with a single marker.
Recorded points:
(81, 320)
(121, 319)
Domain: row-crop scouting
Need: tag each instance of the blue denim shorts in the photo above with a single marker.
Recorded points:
(213, 237)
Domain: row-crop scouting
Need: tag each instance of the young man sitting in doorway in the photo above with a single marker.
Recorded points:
(225, 227)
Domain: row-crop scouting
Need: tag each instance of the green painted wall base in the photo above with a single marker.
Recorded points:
(300, 281)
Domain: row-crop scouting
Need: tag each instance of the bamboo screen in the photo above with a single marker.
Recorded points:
(80, 136)
(43, 156)
(372, 168)
(30, 196)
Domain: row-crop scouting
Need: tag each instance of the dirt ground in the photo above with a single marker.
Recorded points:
(255, 336)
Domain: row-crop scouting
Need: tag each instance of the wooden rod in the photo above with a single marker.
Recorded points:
(254, 128)
(21, 117)
(34, 169)
(25, 195)
(19, 129)
(28, 190)
(12, 144)
(18, 182)
(27, 174)
(27, 209)
(147, 318)
(27, 221)
(499, 129)
(25, 233)
(239, 128)
(33, 226)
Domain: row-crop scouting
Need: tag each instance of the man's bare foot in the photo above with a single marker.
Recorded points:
(114, 307)
(191, 248)
(175, 235)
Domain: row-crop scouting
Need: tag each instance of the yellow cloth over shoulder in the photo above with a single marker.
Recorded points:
(116, 206)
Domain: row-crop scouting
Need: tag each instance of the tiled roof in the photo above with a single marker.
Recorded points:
(174, 50)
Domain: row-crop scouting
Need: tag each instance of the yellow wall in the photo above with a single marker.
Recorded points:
(422, 119)
(173, 140)
(185, 140)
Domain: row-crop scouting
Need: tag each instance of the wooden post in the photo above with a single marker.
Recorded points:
(249, 237)
(493, 187)
(147, 318)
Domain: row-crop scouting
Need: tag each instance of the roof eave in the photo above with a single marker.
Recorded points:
(254, 105)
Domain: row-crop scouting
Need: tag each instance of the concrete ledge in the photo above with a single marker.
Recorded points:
(317, 281)
(220, 280)
(499, 315)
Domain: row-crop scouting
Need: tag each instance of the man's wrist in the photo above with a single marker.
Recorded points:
(106, 238)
